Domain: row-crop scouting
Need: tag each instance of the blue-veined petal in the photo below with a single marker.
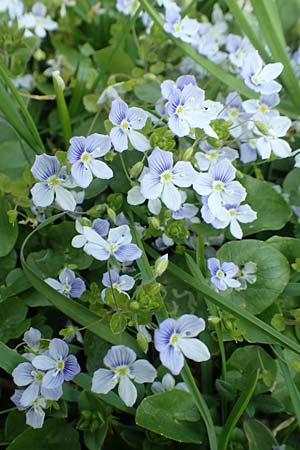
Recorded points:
(142, 371)
(104, 381)
(127, 391)
(42, 195)
(194, 349)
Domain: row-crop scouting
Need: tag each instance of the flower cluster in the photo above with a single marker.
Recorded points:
(229, 275)
(41, 378)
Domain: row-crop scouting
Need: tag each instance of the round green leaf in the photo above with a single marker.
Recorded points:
(8, 231)
(172, 414)
(289, 247)
(272, 273)
(273, 212)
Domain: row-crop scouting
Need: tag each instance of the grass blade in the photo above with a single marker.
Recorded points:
(267, 15)
(238, 410)
(232, 81)
(72, 309)
(81, 79)
(39, 146)
(62, 109)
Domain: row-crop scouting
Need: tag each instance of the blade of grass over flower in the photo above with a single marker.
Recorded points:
(71, 308)
(247, 28)
(290, 383)
(197, 282)
(265, 12)
(63, 111)
(238, 410)
(186, 374)
(232, 81)
(29, 120)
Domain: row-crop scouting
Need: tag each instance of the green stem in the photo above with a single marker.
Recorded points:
(63, 112)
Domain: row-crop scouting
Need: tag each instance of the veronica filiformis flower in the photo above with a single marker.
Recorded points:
(238, 48)
(35, 414)
(235, 214)
(163, 179)
(57, 364)
(167, 384)
(122, 283)
(270, 131)
(223, 276)
(38, 21)
(68, 285)
(176, 338)
(123, 370)
(208, 156)
(52, 183)
(185, 29)
(126, 121)
(261, 78)
(118, 244)
(220, 188)
(101, 226)
(83, 154)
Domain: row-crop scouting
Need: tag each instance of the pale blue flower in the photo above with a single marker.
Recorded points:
(83, 154)
(238, 48)
(122, 283)
(57, 363)
(32, 339)
(162, 179)
(220, 188)
(123, 369)
(272, 129)
(247, 275)
(185, 29)
(260, 78)
(208, 156)
(187, 109)
(38, 21)
(25, 374)
(127, 7)
(68, 284)
(117, 244)
(101, 226)
(127, 121)
(186, 211)
(222, 276)
(262, 106)
(52, 183)
(35, 414)
(169, 86)
(175, 338)
(167, 384)
(14, 8)
(235, 214)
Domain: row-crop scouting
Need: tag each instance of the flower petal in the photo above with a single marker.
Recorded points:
(30, 394)
(171, 196)
(183, 174)
(58, 349)
(76, 148)
(138, 141)
(189, 325)
(35, 417)
(142, 371)
(119, 356)
(72, 368)
(53, 379)
(118, 111)
(42, 195)
(172, 359)
(194, 349)
(97, 144)
(101, 170)
(81, 174)
(119, 139)
(163, 334)
(65, 199)
(151, 186)
(43, 362)
(136, 117)
(44, 167)
(22, 374)
(127, 391)
(104, 381)
(77, 288)
(127, 252)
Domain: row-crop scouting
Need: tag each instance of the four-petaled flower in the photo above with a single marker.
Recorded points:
(57, 363)
(101, 226)
(118, 244)
(123, 369)
(83, 153)
(35, 414)
(68, 284)
(175, 338)
(126, 121)
(52, 183)
(259, 78)
(222, 276)
(122, 283)
(161, 179)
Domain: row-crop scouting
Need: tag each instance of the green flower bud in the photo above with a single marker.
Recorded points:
(142, 342)
(262, 126)
(161, 265)
(111, 214)
(136, 169)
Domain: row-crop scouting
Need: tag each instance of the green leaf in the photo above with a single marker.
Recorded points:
(55, 435)
(273, 212)
(272, 274)
(232, 81)
(7, 263)
(14, 425)
(238, 410)
(148, 92)
(115, 61)
(71, 308)
(258, 435)
(8, 231)
(118, 323)
(172, 414)
(9, 358)
(12, 319)
(289, 247)
(95, 440)
(82, 76)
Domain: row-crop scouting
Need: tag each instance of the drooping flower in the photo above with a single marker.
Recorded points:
(261, 78)
(118, 244)
(25, 374)
(167, 384)
(68, 284)
(127, 121)
(32, 338)
(83, 154)
(162, 179)
(220, 188)
(122, 283)
(175, 338)
(52, 183)
(57, 363)
(35, 414)
(222, 276)
(247, 274)
(123, 369)
(101, 226)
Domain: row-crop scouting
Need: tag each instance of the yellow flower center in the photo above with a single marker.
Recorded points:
(85, 157)
(174, 339)
(166, 176)
(179, 109)
(218, 186)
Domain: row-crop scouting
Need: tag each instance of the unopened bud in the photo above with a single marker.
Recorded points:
(58, 79)
(262, 126)
(161, 265)
(136, 169)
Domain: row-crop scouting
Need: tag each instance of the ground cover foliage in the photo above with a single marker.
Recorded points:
(149, 225)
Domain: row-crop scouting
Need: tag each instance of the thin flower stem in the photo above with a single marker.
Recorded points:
(125, 168)
(4, 411)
